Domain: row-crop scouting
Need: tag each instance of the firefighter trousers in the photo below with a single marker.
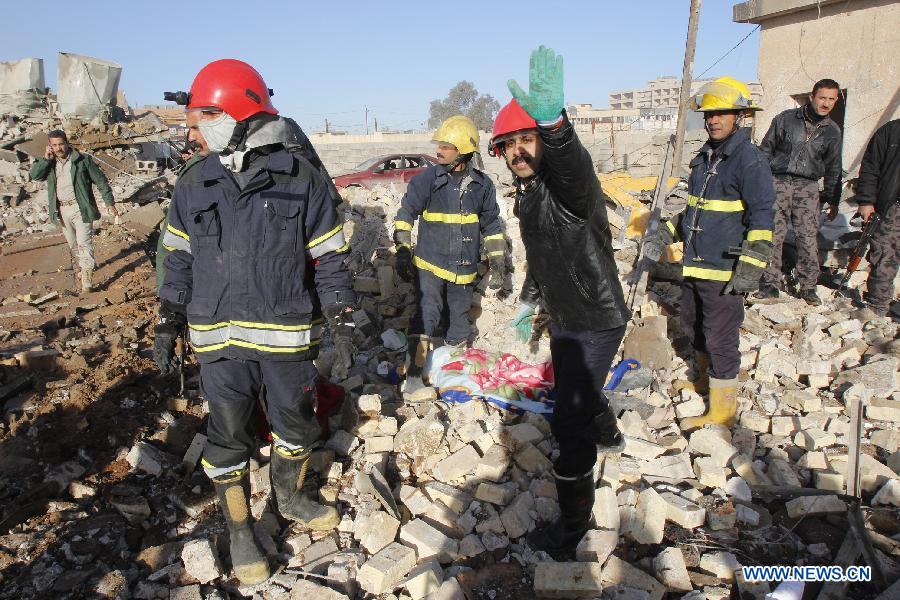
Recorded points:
(884, 258)
(232, 388)
(436, 297)
(581, 363)
(711, 320)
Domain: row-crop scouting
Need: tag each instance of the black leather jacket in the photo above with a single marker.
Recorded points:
(879, 173)
(562, 216)
(791, 150)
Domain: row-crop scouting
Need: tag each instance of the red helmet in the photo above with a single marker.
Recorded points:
(510, 119)
(232, 86)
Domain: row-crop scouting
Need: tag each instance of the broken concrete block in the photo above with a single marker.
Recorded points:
(671, 570)
(457, 465)
(650, 518)
(147, 458)
(878, 376)
(418, 438)
(738, 489)
(381, 572)
(316, 557)
(721, 564)
(515, 517)
(709, 472)
(815, 505)
(747, 515)
(639, 448)
(375, 531)
(454, 498)
(428, 541)
(814, 439)
(342, 442)
(494, 464)
(694, 407)
(567, 580)
(813, 460)
(532, 460)
(201, 561)
(424, 580)
(494, 541)
(721, 517)
(880, 409)
(470, 546)
(683, 512)
(305, 589)
(618, 572)
(713, 441)
(516, 436)
(606, 510)
(675, 466)
(495, 494)
(597, 545)
(781, 473)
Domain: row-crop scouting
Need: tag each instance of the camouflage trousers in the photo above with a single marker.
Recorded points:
(797, 205)
(884, 256)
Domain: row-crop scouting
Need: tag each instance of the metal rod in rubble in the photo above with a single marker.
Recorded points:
(689, 47)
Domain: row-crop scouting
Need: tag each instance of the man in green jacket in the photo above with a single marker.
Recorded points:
(69, 175)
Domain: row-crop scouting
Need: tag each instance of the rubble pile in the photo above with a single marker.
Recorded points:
(102, 496)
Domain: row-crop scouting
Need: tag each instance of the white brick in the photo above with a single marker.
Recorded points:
(381, 443)
(515, 517)
(721, 564)
(815, 505)
(456, 465)
(683, 512)
(316, 557)
(425, 579)
(494, 464)
(375, 531)
(709, 472)
(428, 541)
(618, 572)
(385, 569)
(495, 494)
(597, 545)
(201, 561)
(606, 509)
(531, 460)
(642, 449)
(814, 439)
(454, 498)
(714, 442)
(671, 570)
(567, 580)
(650, 515)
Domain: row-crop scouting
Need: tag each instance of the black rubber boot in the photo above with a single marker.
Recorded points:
(414, 388)
(766, 291)
(576, 501)
(287, 475)
(605, 433)
(249, 563)
(810, 297)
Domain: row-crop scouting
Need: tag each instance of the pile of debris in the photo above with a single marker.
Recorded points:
(101, 494)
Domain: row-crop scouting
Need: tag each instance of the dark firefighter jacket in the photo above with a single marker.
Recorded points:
(738, 204)
(84, 172)
(562, 216)
(879, 173)
(254, 264)
(453, 225)
(791, 150)
(162, 251)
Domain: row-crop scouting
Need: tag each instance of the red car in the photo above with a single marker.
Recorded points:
(391, 168)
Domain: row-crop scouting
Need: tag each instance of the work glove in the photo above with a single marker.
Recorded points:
(404, 264)
(655, 243)
(340, 320)
(497, 266)
(172, 319)
(753, 258)
(523, 322)
(544, 100)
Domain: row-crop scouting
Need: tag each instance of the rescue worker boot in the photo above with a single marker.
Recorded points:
(722, 405)
(250, 564)
(605, 433)
(87, 276)
(287, 475)
(701, 382)
(576, 501)
(766, 291)
(810, 297)
(414, 389)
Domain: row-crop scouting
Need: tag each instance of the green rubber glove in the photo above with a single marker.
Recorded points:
(544, 100)
(523, 322)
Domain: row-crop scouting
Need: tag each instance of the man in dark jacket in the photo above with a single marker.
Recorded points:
(878, 191)
(456, 205)
(70, 175)
(727, 234)
(572, 274)
(802, 146)
(257, 258)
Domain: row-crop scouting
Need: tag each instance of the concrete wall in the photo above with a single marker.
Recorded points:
(855, 43)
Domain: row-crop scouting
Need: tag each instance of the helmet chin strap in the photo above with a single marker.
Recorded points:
(237, 137)
(462, 158)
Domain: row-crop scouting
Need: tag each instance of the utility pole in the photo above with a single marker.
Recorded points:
(367, 120)
(376, 124)
(689, 48)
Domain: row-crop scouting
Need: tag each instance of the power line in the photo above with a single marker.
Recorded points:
(733, 48)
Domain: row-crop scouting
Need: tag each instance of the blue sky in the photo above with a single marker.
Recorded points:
(334, 59)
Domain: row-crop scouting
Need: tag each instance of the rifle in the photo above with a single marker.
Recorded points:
(870, 228)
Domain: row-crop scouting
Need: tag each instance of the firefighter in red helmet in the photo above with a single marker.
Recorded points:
(572, 274)
(256, 258)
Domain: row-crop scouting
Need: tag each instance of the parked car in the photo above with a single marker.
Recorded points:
(390, 168)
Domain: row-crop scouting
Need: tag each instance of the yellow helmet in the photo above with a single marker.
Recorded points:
(725, 93)
(459, 131)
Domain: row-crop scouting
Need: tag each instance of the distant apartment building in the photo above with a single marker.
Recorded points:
(662, 92)
(172, 116)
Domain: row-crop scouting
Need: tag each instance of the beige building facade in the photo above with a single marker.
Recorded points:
(855, 42)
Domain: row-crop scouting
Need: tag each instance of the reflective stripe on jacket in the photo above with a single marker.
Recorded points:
(452, 225)
(252, 265)
(738, 204)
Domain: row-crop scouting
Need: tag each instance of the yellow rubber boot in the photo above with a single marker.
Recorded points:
(722, 405)
(249, 563)
(701, 384)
